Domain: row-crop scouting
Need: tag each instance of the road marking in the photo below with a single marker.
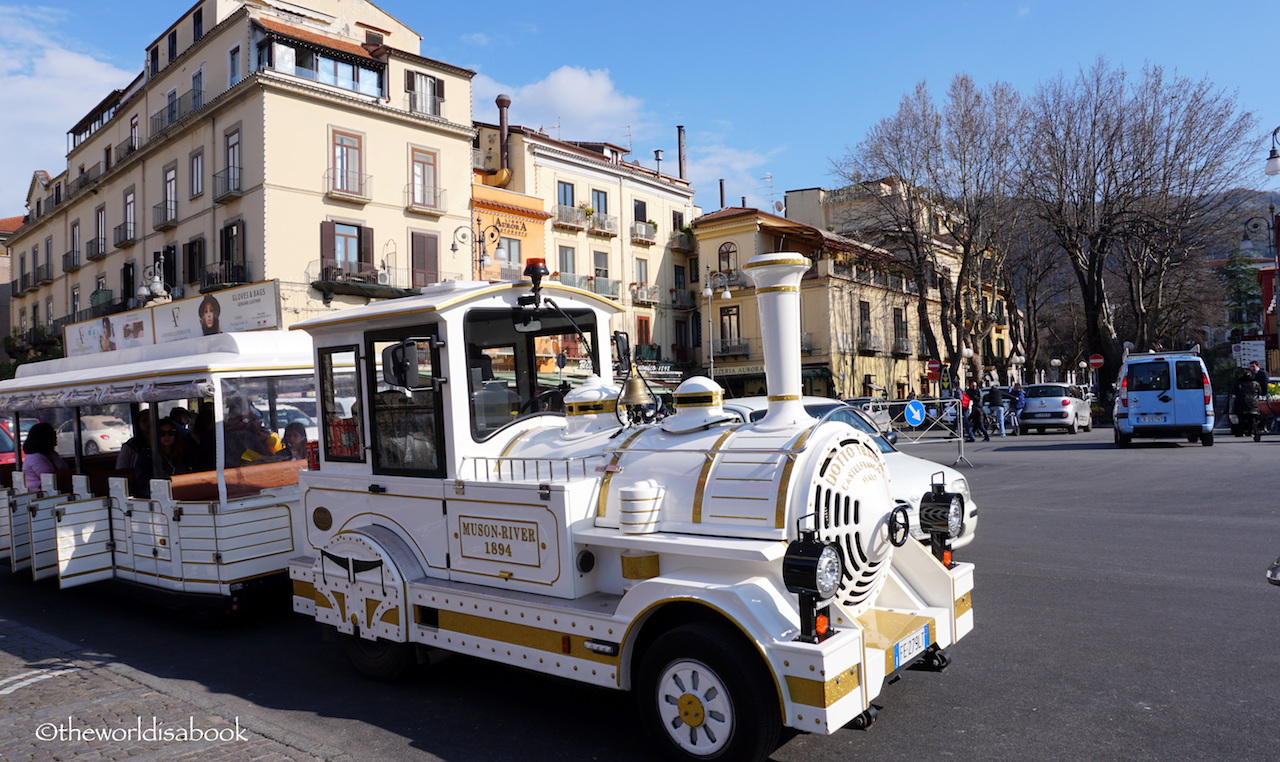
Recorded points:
(34, 677)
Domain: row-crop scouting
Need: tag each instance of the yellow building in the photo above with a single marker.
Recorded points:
(303, 142)
(859, 335)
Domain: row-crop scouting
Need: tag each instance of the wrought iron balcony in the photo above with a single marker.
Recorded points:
(218, 275)
(15, 287)
(226, 185)
(127, 148)
(425, 199)
(86, 178)
(682, 299)
(44, 274)
(422, 103)
(125, 234)
(682, 242)
(602, 224)
(347, 184)
(739, 346)
(190, 102)
(71, 261)
(604, 286)
(644, 233)
(28, 282)
(95, 249)
(335, 271)
(571, 217)
(902, 347)
(869, 344)
(164, 215)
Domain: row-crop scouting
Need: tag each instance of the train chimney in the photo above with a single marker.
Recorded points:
(680, 154)
(777, 280)
(504, 103)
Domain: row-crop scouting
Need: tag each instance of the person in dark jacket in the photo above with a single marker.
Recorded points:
(977, 417)
(1244, 397)
(995, 401)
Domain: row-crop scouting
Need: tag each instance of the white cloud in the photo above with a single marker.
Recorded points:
(571, 103)
(47, 87)
(476, 38)
(741, 169)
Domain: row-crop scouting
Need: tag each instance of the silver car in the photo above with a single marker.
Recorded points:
(1055, 406)
(911, 477)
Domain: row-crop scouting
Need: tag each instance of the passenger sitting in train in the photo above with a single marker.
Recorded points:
(202, 444)
(247, 440)
(135, 454)
(40, 456)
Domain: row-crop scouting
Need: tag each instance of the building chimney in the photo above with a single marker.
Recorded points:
(722, 193)
(777, 280)
(504, 103)
(680, 149)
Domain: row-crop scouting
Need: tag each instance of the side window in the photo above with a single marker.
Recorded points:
(340, 425)
(406, 425)
(1190, 376)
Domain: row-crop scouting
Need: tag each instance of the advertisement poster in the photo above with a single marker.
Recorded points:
(244, 308)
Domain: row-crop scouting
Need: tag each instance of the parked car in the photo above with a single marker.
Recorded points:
(285, 415)
(911, 477)
(99, 433)
(874, 408)
(1055, 406)
(7, 447)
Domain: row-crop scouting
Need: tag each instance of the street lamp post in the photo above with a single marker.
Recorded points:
(1056, 363)
(153, 287)
(1257, 225)
(479, 239)
(713, 281)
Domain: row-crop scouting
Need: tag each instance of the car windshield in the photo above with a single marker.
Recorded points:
(1047, 391)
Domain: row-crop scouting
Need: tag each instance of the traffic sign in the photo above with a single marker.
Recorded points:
(913, 413)
(1096, 361)
(934, 366)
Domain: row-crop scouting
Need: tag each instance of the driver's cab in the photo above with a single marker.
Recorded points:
(459, 371)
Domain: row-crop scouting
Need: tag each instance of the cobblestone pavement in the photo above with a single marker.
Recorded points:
(61, 702)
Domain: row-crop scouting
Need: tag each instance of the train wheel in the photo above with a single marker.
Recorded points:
(379, 660)
(704, 696)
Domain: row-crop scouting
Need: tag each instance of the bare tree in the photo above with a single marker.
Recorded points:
(1139, 173)
(946, 199)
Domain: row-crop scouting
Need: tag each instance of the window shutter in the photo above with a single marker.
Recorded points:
(439, 88)
(432, 270)
(366, 246)
(327, 256)
(408, 80)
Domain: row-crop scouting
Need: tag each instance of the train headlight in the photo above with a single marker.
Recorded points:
(813, 570)
(942, 513)
(812, 567)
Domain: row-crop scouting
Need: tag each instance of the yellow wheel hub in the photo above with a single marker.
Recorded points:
(691, 710)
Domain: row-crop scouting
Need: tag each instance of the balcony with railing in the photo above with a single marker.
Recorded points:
(901, 347)
(423, 103)
(86, 178)
(44, 274)
(190, 102)
(604, 286)
(15, 287)
(71, 261)
(648, 352)
(226, 185)
(644, 233)
(95, 249)
(570, 217)
(574, 280)
(334, 276)
(869, 343)
(726, 347)
(124, 234)
(477, 158)
(603, 224)
(218, 275)
(28, 282)
(347, 185)
(644, 293)
(807, 343)
(425, 199)
(164, 215)
(510, 271)
(683, 299)
(683, 242)
(127, 148)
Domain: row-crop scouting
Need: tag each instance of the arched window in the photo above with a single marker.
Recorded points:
(728, 257)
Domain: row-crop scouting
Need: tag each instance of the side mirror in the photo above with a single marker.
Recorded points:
(400, 364)
(526, 322)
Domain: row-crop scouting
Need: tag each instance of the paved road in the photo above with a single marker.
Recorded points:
(1122, 614)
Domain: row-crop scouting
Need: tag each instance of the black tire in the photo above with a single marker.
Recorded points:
(1088, 424)
(704, 695)
(91, 448)
(1122, 440)
(379, 660)
(1072, 428)
(1206, 439)
(1023, 431)
(1193, 438)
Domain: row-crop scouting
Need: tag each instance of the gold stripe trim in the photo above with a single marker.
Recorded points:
(783, 397)
(964, 604)
(602, 501)
(536, 638)
(644, 566)
(823, 694)
(784, 484)
(777, 289)
(587, 408)
(788, 261)
(705, 474)
(304, 589)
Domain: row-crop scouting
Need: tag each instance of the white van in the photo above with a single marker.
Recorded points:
(1164, 395)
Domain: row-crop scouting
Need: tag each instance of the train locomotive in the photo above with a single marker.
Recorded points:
(495, 492)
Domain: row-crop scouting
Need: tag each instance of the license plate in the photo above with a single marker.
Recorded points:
(1152, 419)
(910, 647)
(1041, 415)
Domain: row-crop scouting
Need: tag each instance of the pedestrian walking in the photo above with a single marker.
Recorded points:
(995, 401)
(977, 422)
(1244, 396)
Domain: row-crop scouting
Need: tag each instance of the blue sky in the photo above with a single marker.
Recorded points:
(764, 90)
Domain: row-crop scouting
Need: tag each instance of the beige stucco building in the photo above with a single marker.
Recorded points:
(307, 143)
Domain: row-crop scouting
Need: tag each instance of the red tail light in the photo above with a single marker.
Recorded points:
(1066, 403)
(1124, 392)
(1208, 397)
